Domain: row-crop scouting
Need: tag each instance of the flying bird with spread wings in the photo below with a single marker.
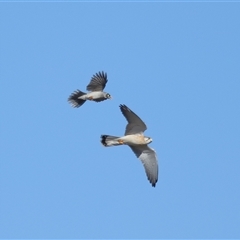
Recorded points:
(95, 88)
(136, 140)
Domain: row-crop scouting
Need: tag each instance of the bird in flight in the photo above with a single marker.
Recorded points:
(136, 140)
(95, 88)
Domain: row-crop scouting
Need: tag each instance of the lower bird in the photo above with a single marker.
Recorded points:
(136, 140)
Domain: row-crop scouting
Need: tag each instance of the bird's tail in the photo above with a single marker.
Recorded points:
(75, 100)
(109, 141)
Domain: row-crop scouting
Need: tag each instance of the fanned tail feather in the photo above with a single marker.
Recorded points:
(109, 141)
(74, 99)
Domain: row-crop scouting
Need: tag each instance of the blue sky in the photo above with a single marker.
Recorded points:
(175, 64)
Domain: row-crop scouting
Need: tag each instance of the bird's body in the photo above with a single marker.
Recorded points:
(131, 140)
(93, 96)
(96, 96)
(136, 140)
(95, 88)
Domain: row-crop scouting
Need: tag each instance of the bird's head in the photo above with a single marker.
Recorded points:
(108, 96)
(148, 140)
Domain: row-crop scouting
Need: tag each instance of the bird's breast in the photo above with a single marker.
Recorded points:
(134, 139)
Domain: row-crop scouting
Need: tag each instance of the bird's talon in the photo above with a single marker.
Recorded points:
(120, 141)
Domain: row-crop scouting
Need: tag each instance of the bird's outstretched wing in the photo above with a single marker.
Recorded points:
(135, 124)
(98, 82)
(149, 159)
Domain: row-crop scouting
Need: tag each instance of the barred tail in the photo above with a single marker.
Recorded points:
(75, 100)
(109, 141)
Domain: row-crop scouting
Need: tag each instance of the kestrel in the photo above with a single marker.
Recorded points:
(136, 140)
(95, 88)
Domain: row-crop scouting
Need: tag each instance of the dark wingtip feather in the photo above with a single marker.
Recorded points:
(101, 75)
(124, 107)
(153, 182)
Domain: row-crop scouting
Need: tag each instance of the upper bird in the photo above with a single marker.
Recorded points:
(135, 139)
(95, 88)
